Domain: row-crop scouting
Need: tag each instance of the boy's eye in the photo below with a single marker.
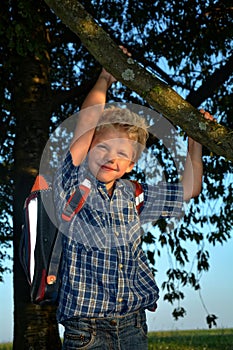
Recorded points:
(101, 146)
(123, 155)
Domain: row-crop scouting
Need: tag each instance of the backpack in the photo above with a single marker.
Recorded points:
(41, 242)
(39, 233)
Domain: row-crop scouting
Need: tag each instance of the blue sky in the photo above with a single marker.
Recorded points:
(217, 292)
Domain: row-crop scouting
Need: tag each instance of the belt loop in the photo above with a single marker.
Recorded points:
(93, 325)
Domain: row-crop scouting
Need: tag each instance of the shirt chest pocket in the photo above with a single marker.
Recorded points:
(123, 215)
(92, 216)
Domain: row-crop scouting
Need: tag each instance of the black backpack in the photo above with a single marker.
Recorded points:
(39, 234)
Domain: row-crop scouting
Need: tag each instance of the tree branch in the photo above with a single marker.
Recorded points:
(159, 95)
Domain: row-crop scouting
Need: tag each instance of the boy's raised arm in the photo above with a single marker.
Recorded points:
(192, 177)
(193, 171)
(88, 117)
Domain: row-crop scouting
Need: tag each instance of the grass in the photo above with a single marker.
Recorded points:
(6, 346)
(215, 339)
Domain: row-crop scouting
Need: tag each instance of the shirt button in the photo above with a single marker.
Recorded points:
(117, 233)
(113, 322)
(120, 266)
(120, 300)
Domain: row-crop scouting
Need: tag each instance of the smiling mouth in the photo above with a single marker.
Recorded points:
(107, 168)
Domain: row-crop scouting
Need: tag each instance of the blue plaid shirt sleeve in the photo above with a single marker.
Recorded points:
(162, 200)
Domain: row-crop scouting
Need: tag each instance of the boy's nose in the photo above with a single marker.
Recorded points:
(110, 160)
(110, 157)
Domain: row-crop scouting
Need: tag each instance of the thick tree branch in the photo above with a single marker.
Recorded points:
(159, 95)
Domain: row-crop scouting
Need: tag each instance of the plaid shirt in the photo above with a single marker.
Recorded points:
(104, 269)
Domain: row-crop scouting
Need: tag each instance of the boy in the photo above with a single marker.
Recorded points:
(106, 282)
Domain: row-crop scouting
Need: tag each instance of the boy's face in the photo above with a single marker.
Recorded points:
(111, 156)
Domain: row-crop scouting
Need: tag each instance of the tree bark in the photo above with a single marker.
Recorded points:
(159, 95)
(32, 114)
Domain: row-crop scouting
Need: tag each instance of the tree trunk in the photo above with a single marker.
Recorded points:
(35, 327)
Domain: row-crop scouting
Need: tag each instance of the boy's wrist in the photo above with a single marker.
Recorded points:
(106, 81)
(107, 77)
(102, 76)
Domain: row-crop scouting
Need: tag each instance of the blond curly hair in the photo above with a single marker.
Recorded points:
(128, 121)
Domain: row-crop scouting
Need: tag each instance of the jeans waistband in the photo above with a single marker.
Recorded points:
(135, 318)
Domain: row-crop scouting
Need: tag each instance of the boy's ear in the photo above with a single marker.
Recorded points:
(130, 167)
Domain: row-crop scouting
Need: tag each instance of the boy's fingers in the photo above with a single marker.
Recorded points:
(207, 115)
(125, 51)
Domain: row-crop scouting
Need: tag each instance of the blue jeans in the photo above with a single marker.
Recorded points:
(115, 333)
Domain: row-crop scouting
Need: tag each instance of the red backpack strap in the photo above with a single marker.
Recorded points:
(76, 200)
(139, 195)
